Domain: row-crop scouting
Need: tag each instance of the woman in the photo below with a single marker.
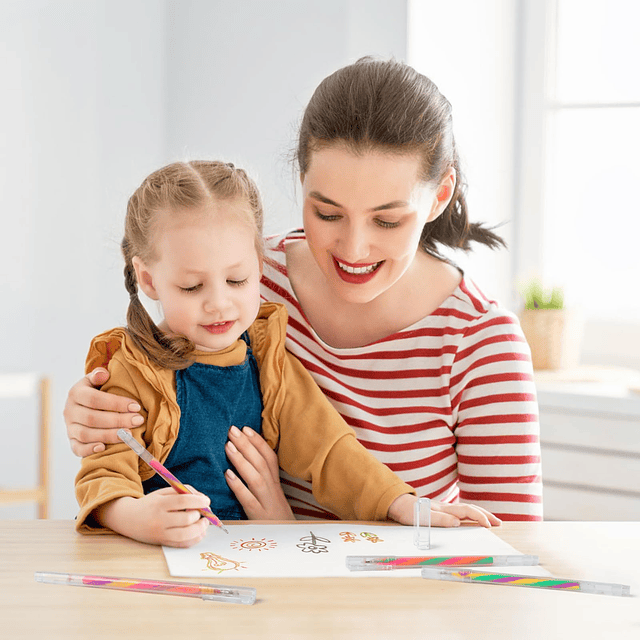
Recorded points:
(435, 379)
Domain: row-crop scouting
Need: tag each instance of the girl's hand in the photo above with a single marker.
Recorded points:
(162, 517)
(442, 515)
(262, 498)
(93, 417)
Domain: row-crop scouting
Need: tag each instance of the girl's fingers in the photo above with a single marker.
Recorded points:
(173, 501)
(185, 537)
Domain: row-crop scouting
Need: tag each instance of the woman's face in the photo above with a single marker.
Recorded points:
(363, 217)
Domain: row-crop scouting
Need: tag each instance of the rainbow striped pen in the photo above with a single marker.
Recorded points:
(220, 593)
(129, 440)
(558, 584)
(385, 563)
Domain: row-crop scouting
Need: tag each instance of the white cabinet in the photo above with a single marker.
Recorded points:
(590, 440)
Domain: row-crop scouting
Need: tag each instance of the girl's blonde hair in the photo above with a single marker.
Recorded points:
(175, 190)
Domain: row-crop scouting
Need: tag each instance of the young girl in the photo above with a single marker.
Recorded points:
(435, 379)
(193, 242)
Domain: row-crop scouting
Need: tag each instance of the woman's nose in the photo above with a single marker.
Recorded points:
(355, 244)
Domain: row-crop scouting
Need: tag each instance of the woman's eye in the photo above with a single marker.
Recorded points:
(385, 224)
(327, 218)
(193, 289)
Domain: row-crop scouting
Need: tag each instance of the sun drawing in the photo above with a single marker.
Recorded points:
(252, 545)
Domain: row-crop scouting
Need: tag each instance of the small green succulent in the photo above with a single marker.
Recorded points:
(537, 297)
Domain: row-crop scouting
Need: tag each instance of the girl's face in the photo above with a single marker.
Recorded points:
(207, 276)
(363, 217)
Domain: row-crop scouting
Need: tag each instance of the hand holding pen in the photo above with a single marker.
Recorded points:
(170, 517)
(130, 441)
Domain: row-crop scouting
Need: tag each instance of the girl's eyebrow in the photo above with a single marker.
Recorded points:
(395, 204)
(199, 272)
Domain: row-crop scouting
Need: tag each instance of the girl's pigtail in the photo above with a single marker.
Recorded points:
(169, 352)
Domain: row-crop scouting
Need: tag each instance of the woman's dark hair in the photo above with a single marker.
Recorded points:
(181, 188)
(387, 105)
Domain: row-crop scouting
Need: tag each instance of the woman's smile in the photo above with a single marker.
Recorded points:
(356, 273)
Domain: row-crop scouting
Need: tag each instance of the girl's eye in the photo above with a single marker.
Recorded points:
(237, 283)
(193, 289)
(386, 224)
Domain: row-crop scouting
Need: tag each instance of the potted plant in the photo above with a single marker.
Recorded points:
(552, 332)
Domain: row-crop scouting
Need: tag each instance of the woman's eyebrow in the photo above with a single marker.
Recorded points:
(395, 204)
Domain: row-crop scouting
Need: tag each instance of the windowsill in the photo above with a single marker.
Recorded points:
(590, 389)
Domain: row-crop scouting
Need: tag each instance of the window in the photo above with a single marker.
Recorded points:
(546, 99)
(579, 221)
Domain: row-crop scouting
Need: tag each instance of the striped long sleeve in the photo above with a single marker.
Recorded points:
(447, 403)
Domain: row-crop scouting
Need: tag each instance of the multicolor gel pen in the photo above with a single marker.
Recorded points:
(220, 593)
(129, 440)
(559, 584)
(385, 563)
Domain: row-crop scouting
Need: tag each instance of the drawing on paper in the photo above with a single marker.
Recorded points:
(254, 545)
(348, 536)
(371, 537)
(311, 549)
(220, 564)
(310, 544)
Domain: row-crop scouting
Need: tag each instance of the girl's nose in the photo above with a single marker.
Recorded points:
(216, 301)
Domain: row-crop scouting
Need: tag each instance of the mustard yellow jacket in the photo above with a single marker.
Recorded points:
(312, 441)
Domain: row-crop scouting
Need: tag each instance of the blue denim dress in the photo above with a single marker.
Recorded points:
(211, 400)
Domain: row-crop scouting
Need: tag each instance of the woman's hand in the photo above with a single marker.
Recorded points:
(262, 497)
(162, 517)
(93, 417)
(442, 515)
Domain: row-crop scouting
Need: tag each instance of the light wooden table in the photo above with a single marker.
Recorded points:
(326, 608)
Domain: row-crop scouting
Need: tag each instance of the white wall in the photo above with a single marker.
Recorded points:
(468, 48)
(241, 73)
(82, 115)
(96, 94)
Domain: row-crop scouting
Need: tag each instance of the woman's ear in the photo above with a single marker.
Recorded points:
(444, 194)
(144, 278)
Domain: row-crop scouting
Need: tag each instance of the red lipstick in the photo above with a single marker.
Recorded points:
(356, 278)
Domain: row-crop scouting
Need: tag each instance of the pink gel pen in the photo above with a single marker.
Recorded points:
(130, 441)
(221, 593)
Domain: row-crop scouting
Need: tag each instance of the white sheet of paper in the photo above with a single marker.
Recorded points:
(319, 550)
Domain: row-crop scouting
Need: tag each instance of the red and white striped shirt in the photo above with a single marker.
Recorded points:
(449, 403)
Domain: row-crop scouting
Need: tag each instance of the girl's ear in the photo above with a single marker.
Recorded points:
(444, 194)
(144, 278)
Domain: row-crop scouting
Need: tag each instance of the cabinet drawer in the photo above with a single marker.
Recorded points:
(590, 430)
(604, 472)
(562, 503)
